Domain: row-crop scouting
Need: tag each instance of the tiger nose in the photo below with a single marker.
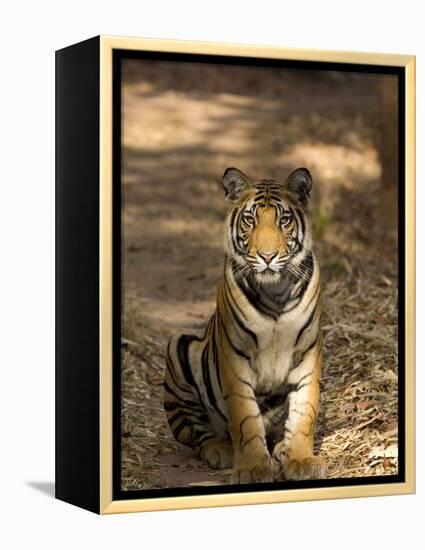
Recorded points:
(268, 256)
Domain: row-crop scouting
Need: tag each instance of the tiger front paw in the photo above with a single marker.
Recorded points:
(218, 454)
(312, 467)
(260, 472)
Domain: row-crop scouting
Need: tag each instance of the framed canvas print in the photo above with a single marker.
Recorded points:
(234, 274)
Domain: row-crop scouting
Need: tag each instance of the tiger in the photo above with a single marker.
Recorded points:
(244, 395)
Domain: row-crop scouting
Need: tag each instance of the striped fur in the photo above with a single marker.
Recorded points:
(245, 394)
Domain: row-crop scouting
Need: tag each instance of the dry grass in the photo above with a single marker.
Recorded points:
(144, 433)
(357, 427)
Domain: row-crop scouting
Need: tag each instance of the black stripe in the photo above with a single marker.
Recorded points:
(171, 372)
(183, 424)
(250, 416)
(312, 298)
(306, 324)
(230, 293)
(195, 413)
(301, 217)
(256, 436)
(277, 399)
(175, 416)
(215, 354)
(207, 328)
(259, 198)
(183, 354)
(304, 377)
(242, 381)
(232, 217)
(202, 437)
(239, 322)
(300, 387)
(310, 347)
(234, 224)
(171, 405)
(207, 382)
(240, 395)
(186, 402)
(234, 348)
(274, 196)
(271, 300)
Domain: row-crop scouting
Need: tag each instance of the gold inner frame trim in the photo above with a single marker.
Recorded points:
(107, 504)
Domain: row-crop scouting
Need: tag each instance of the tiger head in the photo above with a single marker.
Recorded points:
(268, 233)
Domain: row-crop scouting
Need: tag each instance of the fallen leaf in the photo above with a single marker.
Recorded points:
(363, 405)
(389, 452)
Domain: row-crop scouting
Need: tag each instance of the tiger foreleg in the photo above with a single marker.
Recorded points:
(251, 459)
(293, 455)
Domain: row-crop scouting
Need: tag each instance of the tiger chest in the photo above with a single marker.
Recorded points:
(274, 354)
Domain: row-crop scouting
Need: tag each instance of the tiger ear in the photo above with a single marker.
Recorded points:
(234, 182)
(299, 183)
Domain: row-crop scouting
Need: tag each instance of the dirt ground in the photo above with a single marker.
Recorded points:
(182, 126)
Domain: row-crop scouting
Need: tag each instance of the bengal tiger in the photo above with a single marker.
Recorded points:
(245, 395)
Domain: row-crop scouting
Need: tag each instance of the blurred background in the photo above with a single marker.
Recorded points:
(182, 125)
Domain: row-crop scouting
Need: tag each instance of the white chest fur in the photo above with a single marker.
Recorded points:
(274, 354)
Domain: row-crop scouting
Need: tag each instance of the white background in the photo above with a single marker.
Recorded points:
(30, 32)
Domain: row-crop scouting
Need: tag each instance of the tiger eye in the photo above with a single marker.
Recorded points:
(248, 218)
(285, 219)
